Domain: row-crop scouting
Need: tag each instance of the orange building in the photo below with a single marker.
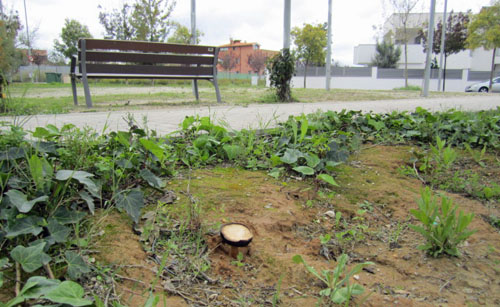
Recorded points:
(234, 57)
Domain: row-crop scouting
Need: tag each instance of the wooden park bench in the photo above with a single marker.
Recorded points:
(113, 59)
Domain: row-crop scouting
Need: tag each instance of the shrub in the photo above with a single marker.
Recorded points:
(442, 229)
(282, 68)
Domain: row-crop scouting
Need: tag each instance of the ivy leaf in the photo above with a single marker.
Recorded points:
(153, 180)
(312, 160)
(31, 258)
(76, 265)
(58, 232)
(25, 225)
(132, 201)
(68, 292)
(328, 179)
(42, 287)
(66, 216)
(291, 156)
(20, 200)
(304, 170)
(80, 176)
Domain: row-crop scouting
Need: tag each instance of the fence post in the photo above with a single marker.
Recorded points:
(374, 72)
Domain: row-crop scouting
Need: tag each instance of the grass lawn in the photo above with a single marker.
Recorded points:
(27, 98)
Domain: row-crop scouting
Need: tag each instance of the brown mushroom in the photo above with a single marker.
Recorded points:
(236, 235)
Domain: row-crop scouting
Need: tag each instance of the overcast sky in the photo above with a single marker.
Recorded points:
(258, 21)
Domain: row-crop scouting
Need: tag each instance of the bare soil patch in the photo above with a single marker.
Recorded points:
(287, 218)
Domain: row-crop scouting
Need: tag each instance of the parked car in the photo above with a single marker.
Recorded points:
(483, 86)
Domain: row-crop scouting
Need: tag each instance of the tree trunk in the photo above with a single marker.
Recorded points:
(492, 69)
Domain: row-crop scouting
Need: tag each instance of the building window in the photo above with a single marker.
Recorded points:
(223, 49)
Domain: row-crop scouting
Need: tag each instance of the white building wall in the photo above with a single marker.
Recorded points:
(477, 60)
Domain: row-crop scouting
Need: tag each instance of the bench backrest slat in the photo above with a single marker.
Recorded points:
(98, 44)
(154, 58)
(148, 70)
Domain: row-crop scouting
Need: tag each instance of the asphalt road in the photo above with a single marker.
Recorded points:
(252, 116)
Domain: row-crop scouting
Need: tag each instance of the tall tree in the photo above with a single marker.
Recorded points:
(117, 23)
(70, 34)
(257, 61)
(182, 35)
(228, 61)
(310, 43)
(387, 55)
(456, 35)
(484, 31)
(403, 8)
(10, 57)
(151, 19)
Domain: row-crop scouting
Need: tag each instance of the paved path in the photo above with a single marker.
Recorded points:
(252, 116)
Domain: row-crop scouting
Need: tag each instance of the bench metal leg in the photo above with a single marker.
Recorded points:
(88, 99)
(217, 92)
(73, 87)
(195, 90)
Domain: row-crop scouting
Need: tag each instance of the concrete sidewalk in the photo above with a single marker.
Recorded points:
(252, 116)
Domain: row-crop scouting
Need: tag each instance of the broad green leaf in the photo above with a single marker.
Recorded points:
(152, 179)
(275, 173)
(31, 258)
(66, 216)
(123, 137)
(153, 147)
(376, 124)
(328, 179)
(304, 170)
(42, 286)
(76, 265)
(58, 231)
(80, 176)
(36, 170)
(25, 225)
(312, 160)
(68, 292)
(233, 151)
(89, 200)
(132, 201)
(188, 121)
(20, 200)
(291, 156)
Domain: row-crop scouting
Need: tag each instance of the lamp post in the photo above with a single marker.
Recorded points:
(286, 25)
(441, 53)
(329, 47)
(430, 40)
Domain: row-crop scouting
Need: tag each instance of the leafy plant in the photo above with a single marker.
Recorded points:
(239, 260)
(339, 289)
(282, 68)
(442, 228)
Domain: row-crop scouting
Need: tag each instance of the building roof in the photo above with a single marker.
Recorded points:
(238, 43)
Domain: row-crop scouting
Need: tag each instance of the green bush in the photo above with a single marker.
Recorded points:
(442, 229)
(282, 68)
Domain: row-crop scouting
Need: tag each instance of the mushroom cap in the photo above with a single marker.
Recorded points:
(236, 234)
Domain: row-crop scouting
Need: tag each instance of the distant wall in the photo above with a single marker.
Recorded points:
(373, 78)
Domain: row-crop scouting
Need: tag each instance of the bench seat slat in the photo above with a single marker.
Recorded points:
(148, 70)
(125, 76)
(98, 44)
(101, 56)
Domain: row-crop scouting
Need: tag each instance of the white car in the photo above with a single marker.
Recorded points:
(483, 86)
